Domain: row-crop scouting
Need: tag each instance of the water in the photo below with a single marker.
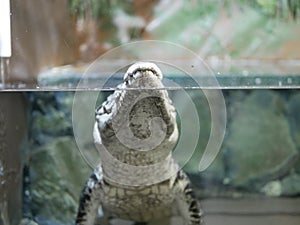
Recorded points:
(239, 139)
(238, 119)
(239, 143)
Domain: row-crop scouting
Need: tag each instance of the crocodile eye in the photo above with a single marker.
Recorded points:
(105, 110)
(127, 76)
(155, 73)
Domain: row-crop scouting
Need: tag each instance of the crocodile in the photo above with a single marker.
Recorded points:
(137, 180)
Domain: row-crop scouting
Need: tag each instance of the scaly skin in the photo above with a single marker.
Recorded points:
(138, 180)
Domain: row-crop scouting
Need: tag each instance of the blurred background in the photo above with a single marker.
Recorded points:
(47, 34)
(251, 46)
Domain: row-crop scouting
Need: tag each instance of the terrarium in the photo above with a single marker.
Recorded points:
(149, 112)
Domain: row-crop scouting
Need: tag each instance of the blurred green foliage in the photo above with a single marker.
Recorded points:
(104, 8)
(294, 6)
(94, 8)
(100, 10)
(268, 6)
(273, 8)
(97, 8)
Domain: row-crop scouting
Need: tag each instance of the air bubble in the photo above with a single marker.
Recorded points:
(245, 73)
(257, 81)
(1, 169)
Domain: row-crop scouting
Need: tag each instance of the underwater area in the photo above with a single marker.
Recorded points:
(231, 69)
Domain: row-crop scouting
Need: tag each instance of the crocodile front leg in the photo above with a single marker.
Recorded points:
(195, 215)
(90, 201)
(188, 205)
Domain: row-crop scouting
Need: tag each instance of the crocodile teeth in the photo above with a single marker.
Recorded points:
(136, 70)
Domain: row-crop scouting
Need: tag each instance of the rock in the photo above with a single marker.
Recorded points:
(294, 117)
(291, 185)
(288, 186)
(26, 221)
(259, 143)
(57, 170)
(195, 118)
(83, 119)
(272, 189)
(58, 174)
(50, 116)
(297, 166)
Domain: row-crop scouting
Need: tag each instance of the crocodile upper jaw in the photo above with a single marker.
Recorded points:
(137, 124)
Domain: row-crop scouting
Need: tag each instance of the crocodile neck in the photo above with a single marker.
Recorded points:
(135, 130)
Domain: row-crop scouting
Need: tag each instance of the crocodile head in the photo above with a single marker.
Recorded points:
(137, 123)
